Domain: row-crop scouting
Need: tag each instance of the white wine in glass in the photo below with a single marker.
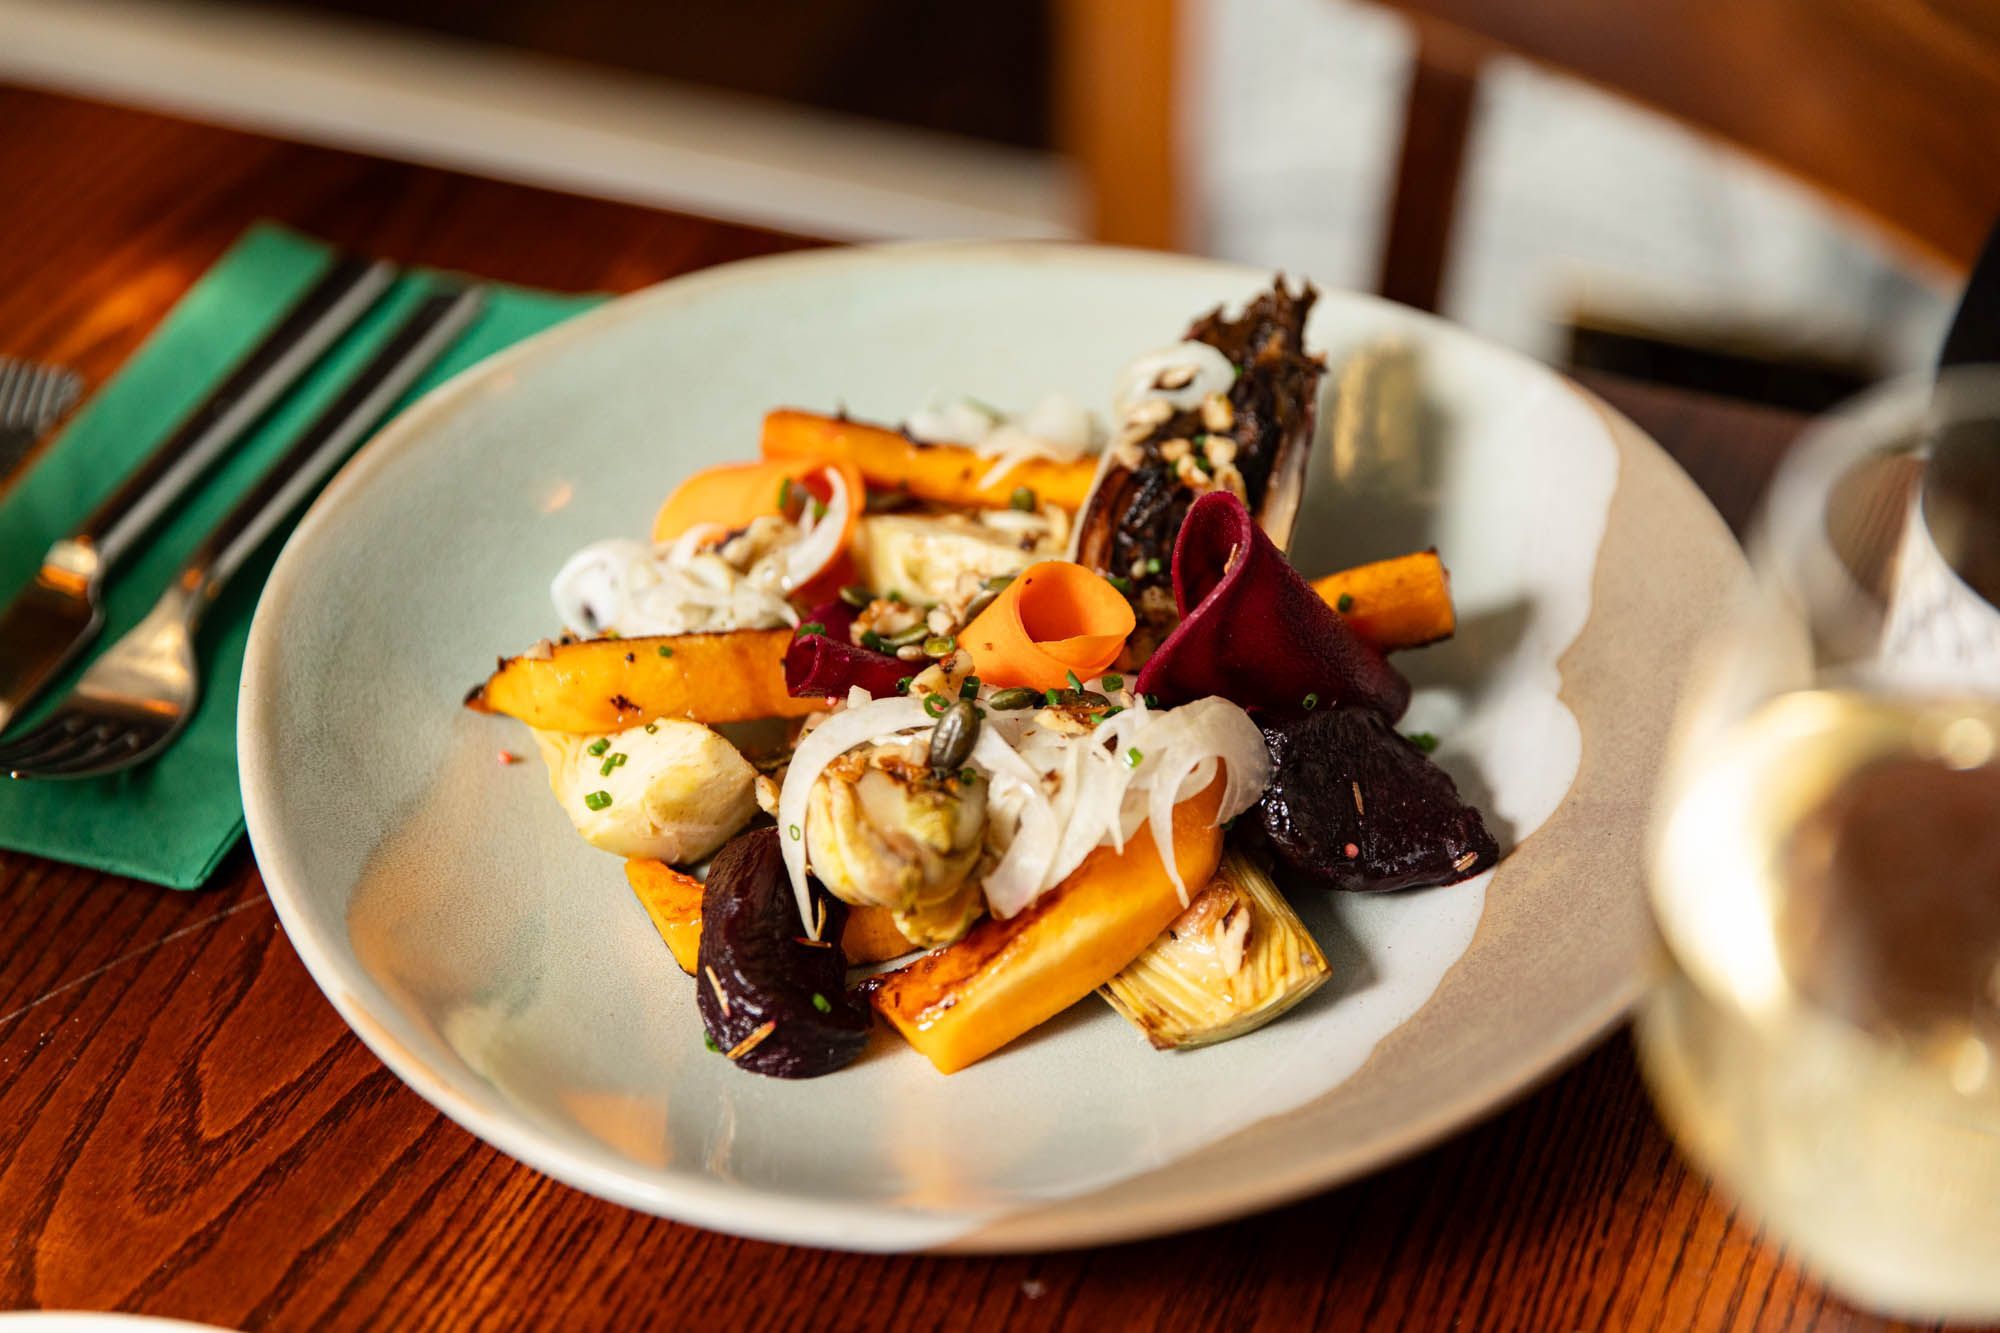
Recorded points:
(1826, 878)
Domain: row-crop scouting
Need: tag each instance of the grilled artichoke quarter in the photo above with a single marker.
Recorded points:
(885, 830)
(1234, 960)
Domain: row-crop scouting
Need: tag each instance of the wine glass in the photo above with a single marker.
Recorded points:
(1825, 865)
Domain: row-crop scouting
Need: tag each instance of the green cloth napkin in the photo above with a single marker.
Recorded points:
(172, 820)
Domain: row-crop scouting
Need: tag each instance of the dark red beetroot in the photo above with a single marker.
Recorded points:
(1356, 806)
(1255, 632)
(827, 664)
(766, 994)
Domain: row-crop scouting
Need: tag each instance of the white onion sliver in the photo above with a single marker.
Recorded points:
(1022, 873)
(1213, 373)
(819, 539)
(822, 745)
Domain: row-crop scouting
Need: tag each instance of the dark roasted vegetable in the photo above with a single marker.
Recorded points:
(1253, 631)
(772, 1001)
(825, 664)
(1356, 806)
(1253, 442)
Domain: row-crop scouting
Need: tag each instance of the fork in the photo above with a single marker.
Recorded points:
(31, 398)
(134, 700)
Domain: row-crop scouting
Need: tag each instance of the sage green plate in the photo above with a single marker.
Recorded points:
(503, 969)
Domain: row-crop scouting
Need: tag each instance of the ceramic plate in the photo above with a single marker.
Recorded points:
(503, 969)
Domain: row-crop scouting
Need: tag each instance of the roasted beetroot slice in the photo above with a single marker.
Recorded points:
(1253, 631)
(828, 664)
(1357, 807)
(772, 1002)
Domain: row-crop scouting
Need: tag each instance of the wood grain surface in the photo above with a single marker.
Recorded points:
(187, 1128)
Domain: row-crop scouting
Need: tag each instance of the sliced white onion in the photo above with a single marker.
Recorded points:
(818, 545)
(594, 586)
(876, 720)
(1212, 372)
(1062, 421)
(1022, 873)
(953, 421)
(1180, 749)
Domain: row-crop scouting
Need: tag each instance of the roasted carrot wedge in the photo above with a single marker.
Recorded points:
(1399, 603)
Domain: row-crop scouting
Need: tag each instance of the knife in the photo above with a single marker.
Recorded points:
(61, 609)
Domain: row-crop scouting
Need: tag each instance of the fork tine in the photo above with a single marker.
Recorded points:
(33, 743)
(118, 749)
(76, 742)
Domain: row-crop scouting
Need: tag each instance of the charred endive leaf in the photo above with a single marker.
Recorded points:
(1234, 960)
(1246, 430)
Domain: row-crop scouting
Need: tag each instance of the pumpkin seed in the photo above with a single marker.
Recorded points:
(1016, 696)
(956, 733)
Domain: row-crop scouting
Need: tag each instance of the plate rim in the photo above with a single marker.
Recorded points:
(789, 1217)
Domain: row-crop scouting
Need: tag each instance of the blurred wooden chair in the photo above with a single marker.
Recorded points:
(1889, 107)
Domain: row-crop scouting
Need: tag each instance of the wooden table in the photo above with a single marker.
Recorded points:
(188, 1129)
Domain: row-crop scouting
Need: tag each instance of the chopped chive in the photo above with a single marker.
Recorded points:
(1052, 697)
(818, 508)
(597, 800)
(871, 640)
(1119, 581)
(1134, 757)
(1423, 740)
(1113, 682)
(936, 705)
(599, 746)
(652, 728)
(1022, 499)
(1152, 700)
(821, 1003)
(1311, 701)
(969, 688)
(785, 493)
(610, 762)
(711, 1043)
(812, 627)
(1344, 605)
(1152, 564)
(893, 595)
(968, 775)
(903, 684)
(666, 651)
(794, 831)
(1074, 683)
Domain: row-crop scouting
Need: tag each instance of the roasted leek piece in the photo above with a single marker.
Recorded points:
(1234, 960)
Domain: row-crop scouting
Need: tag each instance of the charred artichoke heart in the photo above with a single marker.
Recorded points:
(1356, 806)
(884, 829)
(770, 999)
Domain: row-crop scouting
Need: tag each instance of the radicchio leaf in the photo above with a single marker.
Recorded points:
(1254, 632)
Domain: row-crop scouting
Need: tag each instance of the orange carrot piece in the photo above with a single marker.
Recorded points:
(1399, 603)
(1053, 619)
(942, 473)
(959, 1004)
(734, 493)
(672, 898)
(606, 685)
(730, 495)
